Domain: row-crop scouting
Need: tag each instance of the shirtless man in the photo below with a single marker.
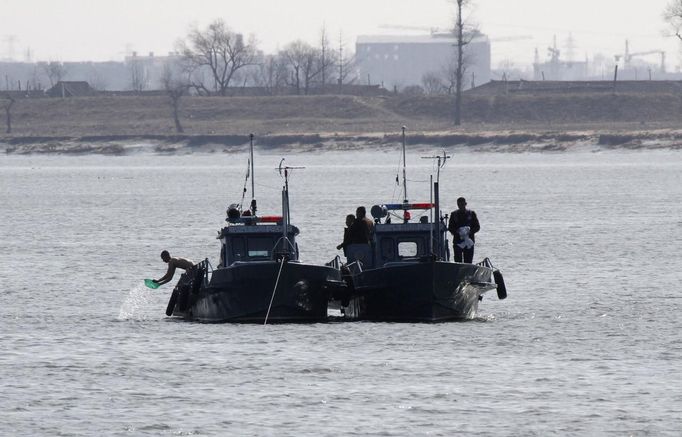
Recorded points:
(173, 263)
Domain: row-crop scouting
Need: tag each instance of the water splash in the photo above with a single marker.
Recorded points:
(141, 303)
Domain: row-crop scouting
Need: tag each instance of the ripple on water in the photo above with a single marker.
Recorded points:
(586, 344)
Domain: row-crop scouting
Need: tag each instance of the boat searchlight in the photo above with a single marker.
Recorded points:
(381, 211)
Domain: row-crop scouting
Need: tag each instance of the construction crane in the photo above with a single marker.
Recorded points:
(433, 30)
(511, 38)
(650, 52)
(554, 52)
(627, 56)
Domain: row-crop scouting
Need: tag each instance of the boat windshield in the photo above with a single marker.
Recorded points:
(260, 247)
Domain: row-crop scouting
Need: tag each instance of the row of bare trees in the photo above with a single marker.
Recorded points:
(216, 58)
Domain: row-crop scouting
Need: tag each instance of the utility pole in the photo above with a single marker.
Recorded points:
(459, 72)
(570, 47)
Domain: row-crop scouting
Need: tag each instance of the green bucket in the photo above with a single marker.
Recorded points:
(151, 284)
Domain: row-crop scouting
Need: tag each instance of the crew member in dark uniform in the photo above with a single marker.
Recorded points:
(360, 231)
(463, 226)
(350, 218)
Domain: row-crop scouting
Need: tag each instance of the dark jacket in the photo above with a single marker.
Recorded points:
(460, 218)
(359, 232)
(346, 238)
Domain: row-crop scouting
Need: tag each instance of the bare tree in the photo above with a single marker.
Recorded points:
(302, 60)
(139, 76)
(175, 88)
(221, 51)
(54, 71)
(345, 62)
(96, 79)
(432, 83)
(449, 73)
(326, 58)
(464, 33)
(673, 16)
(271, 74)
(8, 111)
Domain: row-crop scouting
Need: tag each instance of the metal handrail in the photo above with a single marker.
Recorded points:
(486, 263)
(335, 263)
(205, 264)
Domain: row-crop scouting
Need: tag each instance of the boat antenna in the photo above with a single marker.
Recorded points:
(404, 169)
(244, 190)
(441, 162)
(436, 194)
(284, 171)
(253, 177)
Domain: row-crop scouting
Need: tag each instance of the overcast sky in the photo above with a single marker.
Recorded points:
(69, 30)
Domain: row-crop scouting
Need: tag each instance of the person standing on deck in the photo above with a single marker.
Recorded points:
(173, 263)
(360, 232)
(350, 218)
(463, 226)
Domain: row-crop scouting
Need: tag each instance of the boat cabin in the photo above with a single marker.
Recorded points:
(252, 239)
(400, 242)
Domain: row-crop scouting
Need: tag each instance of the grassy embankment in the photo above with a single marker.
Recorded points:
(108, 124)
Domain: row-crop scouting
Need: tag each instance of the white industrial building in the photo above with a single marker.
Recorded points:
(396, 62)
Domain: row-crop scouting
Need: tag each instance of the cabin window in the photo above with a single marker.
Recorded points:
(260, 247)
(387, 249)
(408, 249)
(238, 249)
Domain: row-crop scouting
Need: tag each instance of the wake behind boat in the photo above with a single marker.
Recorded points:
(260, 277)
(405, 274)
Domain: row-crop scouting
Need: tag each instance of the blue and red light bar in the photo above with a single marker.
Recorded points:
(406, 206)
(250, 220)
(270, 219)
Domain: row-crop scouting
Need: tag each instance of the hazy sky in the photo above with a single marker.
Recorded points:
(102, 29)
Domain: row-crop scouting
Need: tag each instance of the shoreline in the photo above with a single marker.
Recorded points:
(511, 141)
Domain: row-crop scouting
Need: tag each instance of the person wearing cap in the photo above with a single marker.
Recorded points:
(173, 263)
(463, 226)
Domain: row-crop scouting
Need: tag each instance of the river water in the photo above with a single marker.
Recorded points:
(589, 341)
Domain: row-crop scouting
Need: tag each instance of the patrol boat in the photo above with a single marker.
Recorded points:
(260, 278)
(405, 273)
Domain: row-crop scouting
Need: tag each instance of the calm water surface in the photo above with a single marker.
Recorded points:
(589, 341)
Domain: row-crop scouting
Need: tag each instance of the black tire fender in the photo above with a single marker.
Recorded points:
(171, 302)
(501, 288)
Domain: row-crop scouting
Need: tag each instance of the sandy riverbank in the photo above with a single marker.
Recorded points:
(117, 125)
(498, 141)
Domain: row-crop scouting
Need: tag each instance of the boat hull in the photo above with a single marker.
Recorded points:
(431, 291)
(242, 293)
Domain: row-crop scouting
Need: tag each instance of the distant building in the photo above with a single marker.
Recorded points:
(560, 70)
(402, 61)
(70, 89)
